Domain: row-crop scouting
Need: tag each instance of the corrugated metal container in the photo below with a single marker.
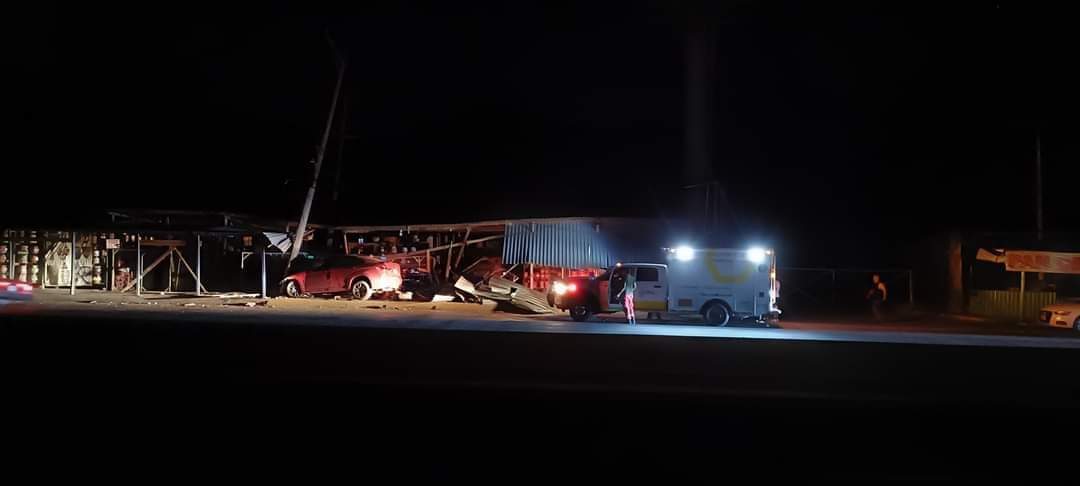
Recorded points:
(1005, 304)
(570, 245)
(581, 243)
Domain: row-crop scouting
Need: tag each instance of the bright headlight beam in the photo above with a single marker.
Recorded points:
(756, 255)
(684, 253)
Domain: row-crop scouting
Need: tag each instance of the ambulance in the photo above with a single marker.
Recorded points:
(720, 285)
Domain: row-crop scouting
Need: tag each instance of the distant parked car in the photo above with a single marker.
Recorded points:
(1062, 314)
(15, 290)
(362, 277)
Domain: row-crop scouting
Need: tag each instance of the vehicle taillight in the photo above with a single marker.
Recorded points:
(24, 288)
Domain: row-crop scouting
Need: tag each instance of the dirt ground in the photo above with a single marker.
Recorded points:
(397, 310)
(182, 301)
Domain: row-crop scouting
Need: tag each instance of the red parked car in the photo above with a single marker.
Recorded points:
(15, 290)
(362, 277)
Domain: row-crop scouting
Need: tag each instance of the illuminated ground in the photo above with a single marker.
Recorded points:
(474, 317)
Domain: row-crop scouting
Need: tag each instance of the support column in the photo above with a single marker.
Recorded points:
(172, 270)
(73, 242)
(262, 269)
(112, 270)
(198, 265)
(138, 265)
(1023, 277)
(449, 254)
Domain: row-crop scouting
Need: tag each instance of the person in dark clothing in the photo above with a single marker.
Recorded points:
(877, 295)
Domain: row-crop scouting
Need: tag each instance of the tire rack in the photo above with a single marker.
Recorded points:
(22, 256)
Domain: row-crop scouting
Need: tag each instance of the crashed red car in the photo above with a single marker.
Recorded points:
(15, 290)
(362, 277)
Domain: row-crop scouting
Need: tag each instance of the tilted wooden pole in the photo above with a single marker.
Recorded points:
(299, 238)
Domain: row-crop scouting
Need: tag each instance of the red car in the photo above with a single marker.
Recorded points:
(363, 277)
(15, 290)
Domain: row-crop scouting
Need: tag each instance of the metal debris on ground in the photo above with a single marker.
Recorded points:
(503, 290)
(236, 295)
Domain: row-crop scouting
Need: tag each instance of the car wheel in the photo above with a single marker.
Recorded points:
(1076, 324)
(717, 314)
(291, 289)
(580, 313)
(361, 290)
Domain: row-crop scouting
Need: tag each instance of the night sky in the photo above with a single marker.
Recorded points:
(900, 119)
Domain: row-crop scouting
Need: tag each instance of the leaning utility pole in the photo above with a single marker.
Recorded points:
(302, 227)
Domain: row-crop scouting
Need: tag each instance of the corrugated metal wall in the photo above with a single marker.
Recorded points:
(1005, 304)
(569, 245)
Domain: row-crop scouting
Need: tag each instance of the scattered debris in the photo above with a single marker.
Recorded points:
(419, 284)
(465, 286)
(337, 297)
(503, 290)
(443, 298)
(405, 295)
(434, 307)
(236, 295)
(245, 304)
(189, 304)
(91, 302)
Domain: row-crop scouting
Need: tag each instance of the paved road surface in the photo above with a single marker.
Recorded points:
(453, 394)
(383, 315)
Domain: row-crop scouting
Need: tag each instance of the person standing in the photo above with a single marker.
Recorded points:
(877, 295)
(629, 286)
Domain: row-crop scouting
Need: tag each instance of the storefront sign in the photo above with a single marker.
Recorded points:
(1042, 261)
(112, 243)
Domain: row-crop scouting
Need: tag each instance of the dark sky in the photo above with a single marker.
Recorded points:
(903, 118)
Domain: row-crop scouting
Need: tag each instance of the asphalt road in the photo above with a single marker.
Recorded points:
(457, 394)
(373, 314)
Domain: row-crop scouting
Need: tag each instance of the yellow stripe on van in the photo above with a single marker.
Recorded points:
(719, 277)
(659, 305)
